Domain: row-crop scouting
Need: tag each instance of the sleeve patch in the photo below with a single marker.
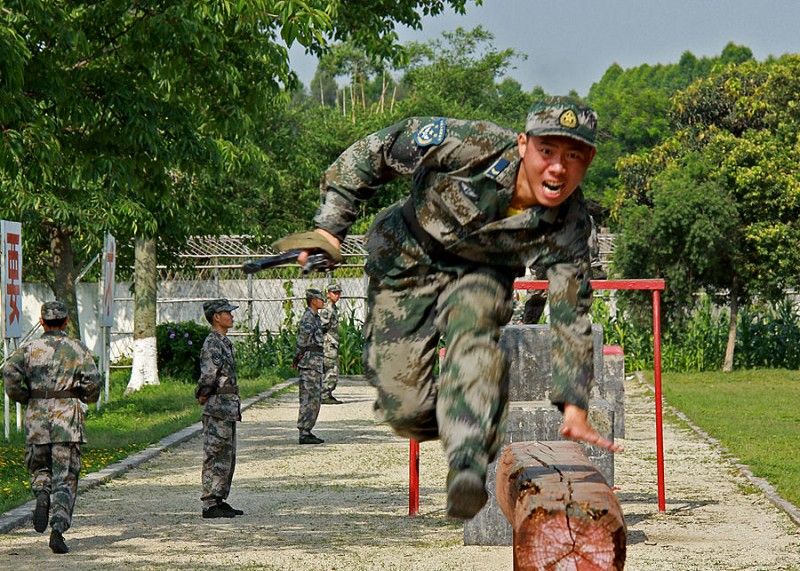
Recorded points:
(431, 134)
(497, 167)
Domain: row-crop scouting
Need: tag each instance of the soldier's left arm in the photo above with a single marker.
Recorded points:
(17, 387)
(570, 295)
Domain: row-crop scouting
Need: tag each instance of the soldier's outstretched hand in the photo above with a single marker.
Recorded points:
(575, 426)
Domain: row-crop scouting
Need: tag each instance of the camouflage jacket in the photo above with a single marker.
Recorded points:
(54, 362)
(463, 177)
(329, 318)
(218, 373)
(309, 339)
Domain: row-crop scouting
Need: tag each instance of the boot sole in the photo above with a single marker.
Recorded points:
(466, 495)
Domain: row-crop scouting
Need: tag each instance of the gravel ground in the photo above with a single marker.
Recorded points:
(343, 505)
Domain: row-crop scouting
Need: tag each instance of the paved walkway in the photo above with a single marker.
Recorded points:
(343, 505)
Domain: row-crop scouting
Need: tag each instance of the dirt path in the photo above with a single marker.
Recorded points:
(343, 505)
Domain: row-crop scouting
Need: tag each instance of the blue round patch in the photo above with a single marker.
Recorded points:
(431, 134)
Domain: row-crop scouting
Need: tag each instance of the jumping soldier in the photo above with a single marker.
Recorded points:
(485, 203)
(218, 392)
(56, 377)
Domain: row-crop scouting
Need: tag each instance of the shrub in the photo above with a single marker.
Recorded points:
(179, 346)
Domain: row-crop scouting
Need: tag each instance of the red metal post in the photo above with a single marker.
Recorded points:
(413, 478)
(657, 382)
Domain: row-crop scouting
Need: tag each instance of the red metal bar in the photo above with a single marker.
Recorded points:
(635, 284)
(657, 381)
(413, 478)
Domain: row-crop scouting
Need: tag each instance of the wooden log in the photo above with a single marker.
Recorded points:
(562, 513)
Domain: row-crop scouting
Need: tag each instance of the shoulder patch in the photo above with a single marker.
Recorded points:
(431, 134)
(497, 167)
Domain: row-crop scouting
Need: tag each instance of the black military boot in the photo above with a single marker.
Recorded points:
(57, 542)
(310, 439)
(466, 494)
(330, 399)
(217, 511)
(227, 507)
(42, 512)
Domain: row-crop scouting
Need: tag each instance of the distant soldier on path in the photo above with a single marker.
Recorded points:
(309, 362)
(218, 392)
(56, 377)
(329, 316)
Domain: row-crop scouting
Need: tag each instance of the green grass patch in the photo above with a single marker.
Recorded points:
(755, 414)
(124, 426)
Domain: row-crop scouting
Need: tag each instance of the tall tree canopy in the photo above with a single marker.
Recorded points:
(716, 206)
(129, 117)
(633, 107)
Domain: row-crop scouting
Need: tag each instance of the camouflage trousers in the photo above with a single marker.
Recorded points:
(467, 406)
(219, 459)
(310, 392)
(54, 470)
(330, 366)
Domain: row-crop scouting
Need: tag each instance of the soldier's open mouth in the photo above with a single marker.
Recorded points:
(551, 188)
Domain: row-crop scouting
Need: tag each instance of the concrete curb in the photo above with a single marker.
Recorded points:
(772, 495)
(21, 515)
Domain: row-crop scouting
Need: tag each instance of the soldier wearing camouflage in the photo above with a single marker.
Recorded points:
(329, 318)
(310, 366)
(485, 203)
(533, 308)
(218, 392)
(56, 377)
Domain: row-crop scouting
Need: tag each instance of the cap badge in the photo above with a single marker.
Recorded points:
(568, 119)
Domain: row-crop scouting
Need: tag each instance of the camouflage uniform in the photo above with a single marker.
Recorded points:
(221, 411)
(537, 298)
(309, 347)
(55, 376)
(443, 262)
(329, 318)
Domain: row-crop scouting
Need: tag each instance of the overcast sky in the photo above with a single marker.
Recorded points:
(570, 44)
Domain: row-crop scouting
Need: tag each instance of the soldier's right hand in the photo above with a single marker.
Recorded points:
(202, 400)
(303, 257)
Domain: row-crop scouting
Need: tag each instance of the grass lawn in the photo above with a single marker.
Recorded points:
(126, 425)
(755, 414)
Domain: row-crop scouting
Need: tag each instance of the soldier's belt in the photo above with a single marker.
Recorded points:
(45, 394)
(228, 390)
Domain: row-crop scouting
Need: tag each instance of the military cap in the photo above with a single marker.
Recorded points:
(217, 306)
(562, 116)
(334, 287)
(313, 293)
(53, 310)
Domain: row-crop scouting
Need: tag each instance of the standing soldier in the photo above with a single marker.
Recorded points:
(329, 316)
(485, 203)
(218, 392)
(56, 377)
(309, 361)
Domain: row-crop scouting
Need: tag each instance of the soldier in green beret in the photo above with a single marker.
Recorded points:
(56, 377)
(485, 203)
(218, 393)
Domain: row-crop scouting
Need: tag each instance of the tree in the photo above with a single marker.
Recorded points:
(717, 202)
(633, 107)
(127, 117)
